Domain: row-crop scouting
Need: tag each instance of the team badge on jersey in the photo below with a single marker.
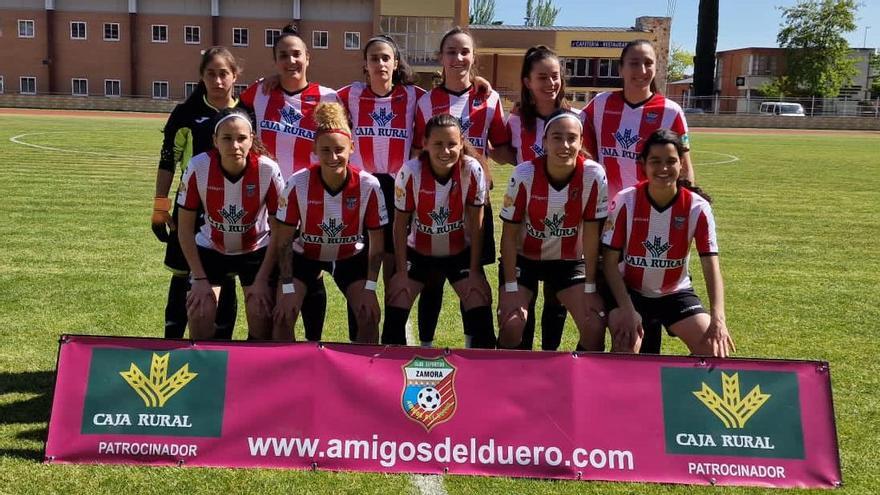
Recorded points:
(250, 189)
(477, 102)
(428, 396)
(626, 138)
(651, 117)
(290, 115)
(351, 202)
(382, 117)
(465, 125)
(678, 222)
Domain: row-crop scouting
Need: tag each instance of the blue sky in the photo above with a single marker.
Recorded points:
(741, 23)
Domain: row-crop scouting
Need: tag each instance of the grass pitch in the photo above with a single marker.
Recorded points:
(797, 228)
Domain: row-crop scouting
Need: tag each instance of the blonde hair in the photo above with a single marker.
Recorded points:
(331, 117)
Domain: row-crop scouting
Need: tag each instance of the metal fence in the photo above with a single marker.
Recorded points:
(810, 107)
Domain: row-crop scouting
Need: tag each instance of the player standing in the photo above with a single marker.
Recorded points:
(439, 199)
(330, 205)
(553, 209)
(647, 239)
(285, 123)
(238, 188)
(617, 123)
(187, 133)
(482, 121)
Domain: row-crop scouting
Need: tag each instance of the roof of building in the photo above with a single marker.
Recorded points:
(689, 80)
(512, 27)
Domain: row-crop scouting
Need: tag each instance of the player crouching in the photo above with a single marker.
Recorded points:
(329, 205)
(553, 209)
(439, 197)
(238, 188)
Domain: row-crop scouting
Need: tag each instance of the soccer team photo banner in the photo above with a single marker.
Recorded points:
(411, 410)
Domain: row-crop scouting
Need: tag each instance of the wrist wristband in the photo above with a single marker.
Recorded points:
(511, 287)
(370, 285)
(288, 288)
(161, 204)
(589, 288)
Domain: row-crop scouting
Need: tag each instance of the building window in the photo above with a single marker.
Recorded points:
(160, 33)
(2, 86)
(77, 30)
(609, 68)
(27, 85)
(189, 88)
(352, 40)
(112, 87)
(320, 39)
(25, 28)
(272, 36)
(417, 37)
(160, 89)
(762, 65)
(111, 31)
(577, 67)
(238, 89)
(79, 87)
(239, 37)
(192, 35)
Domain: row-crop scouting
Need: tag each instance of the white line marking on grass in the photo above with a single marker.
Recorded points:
(428, 484)
(424, 484)
(17, 140)
(727, 158)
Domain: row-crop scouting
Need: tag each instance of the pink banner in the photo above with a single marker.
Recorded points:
(497, 413)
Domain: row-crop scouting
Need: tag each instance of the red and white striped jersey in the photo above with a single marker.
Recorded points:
(655, 243)
(236, 211)
(331, 225)
(285, 123)
(382, 125)
(528, 143)
(553, 217)
(438, 220)
(615, 131)
(481, 115)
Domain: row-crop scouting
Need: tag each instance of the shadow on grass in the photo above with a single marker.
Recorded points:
(34, 409)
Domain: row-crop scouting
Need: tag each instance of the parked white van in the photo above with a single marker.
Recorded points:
(783, 109)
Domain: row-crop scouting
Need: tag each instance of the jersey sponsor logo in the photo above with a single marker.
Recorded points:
(229, 228)
(657, 248)
(466, 124)
(232, 213)
(538, 150)
(477, 142)
(552, 228)
(440, 215)
(285, 128)
(200, 120)
(627, 138)
(386, 132)
(428, 396)
(735, 412)
(382, 117)
(643, 262)
(332, 228)
(290, 115)
(440, 227)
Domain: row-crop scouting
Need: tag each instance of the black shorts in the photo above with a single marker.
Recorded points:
(344, 272)
(556, 274)
(488, 253)
(454, 268)
(386, 182)
(219, 266)
(665, 310)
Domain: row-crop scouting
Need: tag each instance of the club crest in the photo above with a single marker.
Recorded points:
(678, 222)
(429, 391)
(350, 202)
(250, 189)
(651, 117)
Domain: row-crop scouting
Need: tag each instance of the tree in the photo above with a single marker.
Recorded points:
(704, 59)
(874, 73)
(817, 55)
(679, 61)
(483, 12)
(542, 13)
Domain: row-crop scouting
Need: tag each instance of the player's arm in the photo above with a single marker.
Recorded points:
(687, 167)
(503, 153)
(402, 220)
(474, 224)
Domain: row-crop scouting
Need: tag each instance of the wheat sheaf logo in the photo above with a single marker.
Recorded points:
(440, 216)
(382, 117)
(159, 387)
(732, 408)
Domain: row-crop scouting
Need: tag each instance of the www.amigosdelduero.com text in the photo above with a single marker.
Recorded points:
(388, 453)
